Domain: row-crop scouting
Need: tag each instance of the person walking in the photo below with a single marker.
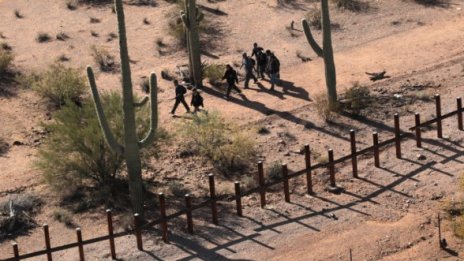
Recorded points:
(197, 100)
(180, 92)
(249, 65)
(231, 77)
(256, 50)
(274, 70)
(262, 62)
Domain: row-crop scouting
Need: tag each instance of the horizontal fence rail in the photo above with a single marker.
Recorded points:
(261, 189)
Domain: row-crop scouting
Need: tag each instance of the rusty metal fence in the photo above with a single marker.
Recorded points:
(211, 202)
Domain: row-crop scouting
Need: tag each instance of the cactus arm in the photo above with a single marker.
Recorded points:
(142, 102)
(184, 18)
(109, 137)
(149, 138)
(317, 49)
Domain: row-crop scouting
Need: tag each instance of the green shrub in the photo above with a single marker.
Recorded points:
(214, 73)
(6, 57)
(89, 163)
(357, 98)
(229, 148)
(58, 84)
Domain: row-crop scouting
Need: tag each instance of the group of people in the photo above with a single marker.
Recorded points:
(266, 63)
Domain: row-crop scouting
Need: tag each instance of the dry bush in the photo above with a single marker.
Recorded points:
(43, 37)
(5, 46)
(18, 14)
(16, 215)
(356, 98)
(438, 3)
(71, 4)
(6, 59)
(103, 59)
(314, 17)
(58, 84)
(63, 216)
(323, 109)
(178, 189)
(263, 130)
(352, 5)
(229, 148)
(214, 73)
(274, 171)
(94, 20)
(62, 36)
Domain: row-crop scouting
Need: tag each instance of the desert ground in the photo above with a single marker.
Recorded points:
(388, 213)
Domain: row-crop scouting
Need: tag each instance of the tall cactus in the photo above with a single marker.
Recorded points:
(326, 52)
(191, 17)
(130, 150)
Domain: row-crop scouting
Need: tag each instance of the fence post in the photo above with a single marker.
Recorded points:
(164, 223)
(47, 242)
(286, 186)
(332, 169)
(79, 242)
(109, 217)
(354, 158)
(262, 191)
(15, 251)
(397, 136)
(188, 204)
(439, 232)
(438, 108)
(238, 198)
(375, 137)
(212, 193)
(418, 130)
(309, 179)
(138, 231)
(459, 105)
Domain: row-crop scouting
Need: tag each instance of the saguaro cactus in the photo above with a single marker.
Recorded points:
(131, 147)
(191, 16)
(326, 52)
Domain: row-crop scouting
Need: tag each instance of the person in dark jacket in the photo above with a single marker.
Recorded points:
(197, 100)
(273, 69)
(249, 64)
(256, 50)
(261, 58)
(231, 77)
(180, 92)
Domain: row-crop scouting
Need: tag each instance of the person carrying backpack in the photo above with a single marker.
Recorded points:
(180, 92)
(231, 77)
(197, 100)
(249, 64)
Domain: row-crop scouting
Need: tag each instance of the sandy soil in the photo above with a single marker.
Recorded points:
(387, 214)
